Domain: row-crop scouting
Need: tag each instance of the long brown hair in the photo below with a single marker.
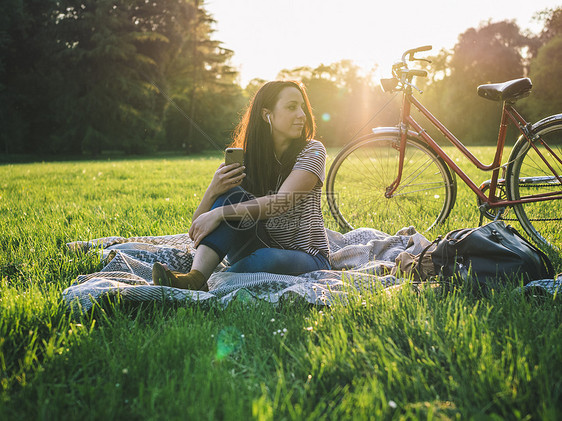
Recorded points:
(263, 173)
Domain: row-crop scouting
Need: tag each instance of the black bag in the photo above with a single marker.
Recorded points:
(493, 255)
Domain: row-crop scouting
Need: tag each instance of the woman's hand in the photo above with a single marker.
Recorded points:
(226, 177)
(204, 224)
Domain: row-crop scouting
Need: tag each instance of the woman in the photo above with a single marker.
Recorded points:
(264, 216)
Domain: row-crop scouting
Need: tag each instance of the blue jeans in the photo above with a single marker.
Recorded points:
(247, 245)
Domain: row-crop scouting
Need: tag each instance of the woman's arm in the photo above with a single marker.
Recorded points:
(297, 185)
(225, 178)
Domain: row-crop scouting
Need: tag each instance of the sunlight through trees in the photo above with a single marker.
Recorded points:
(91, 76)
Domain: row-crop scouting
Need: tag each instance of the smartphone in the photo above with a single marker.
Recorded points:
(232, 155)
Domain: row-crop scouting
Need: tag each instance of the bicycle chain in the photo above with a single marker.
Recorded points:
(537, 219)
(534, 219)
(536, 185)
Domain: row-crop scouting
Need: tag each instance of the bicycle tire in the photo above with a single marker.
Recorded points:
(527, 174)
(361, 172)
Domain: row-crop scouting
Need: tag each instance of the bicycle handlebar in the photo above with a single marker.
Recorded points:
(402, 75)
(417, 72)
(413, 51)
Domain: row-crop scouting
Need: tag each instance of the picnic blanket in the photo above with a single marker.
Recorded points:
(361, 259)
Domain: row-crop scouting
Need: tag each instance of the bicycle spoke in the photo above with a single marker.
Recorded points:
(530, 175)
(417, 191)
(416, 176)
(358, 184)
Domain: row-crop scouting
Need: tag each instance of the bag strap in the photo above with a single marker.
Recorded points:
(418, 266)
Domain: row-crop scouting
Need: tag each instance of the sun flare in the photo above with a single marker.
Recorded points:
(270, 35)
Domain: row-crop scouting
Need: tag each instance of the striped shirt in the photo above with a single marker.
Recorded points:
(302, 226)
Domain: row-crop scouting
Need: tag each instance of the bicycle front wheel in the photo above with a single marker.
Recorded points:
(362, 171)
(528, 174)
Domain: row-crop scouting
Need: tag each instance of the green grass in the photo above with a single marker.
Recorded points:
(401, 354)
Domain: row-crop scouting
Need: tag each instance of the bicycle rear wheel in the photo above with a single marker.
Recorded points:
(362, 171)
(527, 174)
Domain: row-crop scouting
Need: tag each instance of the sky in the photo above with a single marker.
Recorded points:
(271, 35)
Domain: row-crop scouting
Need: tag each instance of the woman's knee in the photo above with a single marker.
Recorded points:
(260, 260)
(234, 195)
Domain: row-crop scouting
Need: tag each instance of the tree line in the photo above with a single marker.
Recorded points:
(130, 75)
(84, 77)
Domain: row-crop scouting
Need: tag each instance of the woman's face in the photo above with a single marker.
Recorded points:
(288, 116)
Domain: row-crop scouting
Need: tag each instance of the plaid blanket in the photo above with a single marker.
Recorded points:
(361, 259)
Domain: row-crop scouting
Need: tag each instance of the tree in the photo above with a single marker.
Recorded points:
(115, 105)
(545, 67)
(100, 74)
(552, 19)
(488, 54)
(28, 74)
(546, 73)
(203, 89)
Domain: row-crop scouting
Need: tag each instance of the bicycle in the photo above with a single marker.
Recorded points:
(411, 180)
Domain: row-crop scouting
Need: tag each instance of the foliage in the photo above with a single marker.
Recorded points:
(138, 76)
(101, 75)
(402, 353)
(344, 100)
(552, 21)
(27, 80)
(546, 72)
(494, 52)
(205, 98)
(114, 104)
(544, 68)
(347, 103)
(489, 54)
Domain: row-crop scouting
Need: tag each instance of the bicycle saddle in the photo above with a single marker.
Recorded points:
(506, 91)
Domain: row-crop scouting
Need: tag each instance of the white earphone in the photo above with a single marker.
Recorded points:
(270, 125)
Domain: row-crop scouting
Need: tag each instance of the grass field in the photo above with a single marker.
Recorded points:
(403, 354)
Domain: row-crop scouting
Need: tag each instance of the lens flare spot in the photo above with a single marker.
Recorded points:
(229, 340)
(326, 117)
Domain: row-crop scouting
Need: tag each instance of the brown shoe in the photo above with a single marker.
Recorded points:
(160, 275)
(194, 280)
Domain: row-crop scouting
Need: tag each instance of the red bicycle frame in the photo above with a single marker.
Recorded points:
(508, 113)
